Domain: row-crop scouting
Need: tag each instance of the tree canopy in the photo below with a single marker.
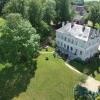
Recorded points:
(19, 41)
(15, 6)
(62, 10)
(94, 15)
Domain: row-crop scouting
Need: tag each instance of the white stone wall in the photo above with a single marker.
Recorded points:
(84, 49)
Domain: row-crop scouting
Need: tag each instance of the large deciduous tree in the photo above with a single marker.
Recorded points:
(35, 12)
(49, 11)
(2, 3)
(62, 9)
(16, 6)
(19, 42)
(94, 15)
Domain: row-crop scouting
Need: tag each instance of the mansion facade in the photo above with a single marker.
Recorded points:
(77, 41)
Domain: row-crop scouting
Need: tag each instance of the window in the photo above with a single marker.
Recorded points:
(76, 52)
(61, 43)
(58, 36)
(65, 38)
(62, 37)
(89, 44)
(76, 42)
(80, 52)
(68, 47)
(68, 40)
(71, 49)
(72, 41)
(58, 42)
(64, 45)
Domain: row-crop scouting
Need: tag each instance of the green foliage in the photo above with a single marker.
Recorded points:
(19, 41)
(62, 9)
(2, 22)
(83, 78)
(94, 15)
(49, 11)
(40, 13)
(2, 3)
(35, 12)
(44, 30)
(97, 26)
(81, 93)
(15, 6)
(98, 97)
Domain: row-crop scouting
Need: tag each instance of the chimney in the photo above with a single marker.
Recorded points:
(83, 29)
(63, 24)
(72, 24)
(67, 22)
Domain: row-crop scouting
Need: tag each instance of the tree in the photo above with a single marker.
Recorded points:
(15, 6)
(81, 93)
(62, 9)
(19, 42)
(49, 11)
(97, 26)
(44, 30)
(2, 3)
(35, 12)
(94, 15)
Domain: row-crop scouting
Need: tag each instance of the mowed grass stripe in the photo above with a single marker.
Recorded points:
(52, 81)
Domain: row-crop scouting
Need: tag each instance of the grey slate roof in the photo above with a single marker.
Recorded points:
(77, 31)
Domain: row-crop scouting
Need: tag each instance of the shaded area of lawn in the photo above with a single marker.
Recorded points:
(53, 81)
(91, 67)
(50, 49)
(14, 79)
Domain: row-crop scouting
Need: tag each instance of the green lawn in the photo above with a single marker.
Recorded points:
(50, 49)
(97, 77)
(52, 81)
(2, 21)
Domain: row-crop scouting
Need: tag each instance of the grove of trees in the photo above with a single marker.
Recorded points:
(19, 41)
(28, 24)
(93, 9)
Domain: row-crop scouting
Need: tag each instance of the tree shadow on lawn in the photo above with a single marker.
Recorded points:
(92, 67)
(14, 80)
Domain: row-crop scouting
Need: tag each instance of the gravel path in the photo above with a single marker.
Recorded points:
(46, 52)
(91, 84)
